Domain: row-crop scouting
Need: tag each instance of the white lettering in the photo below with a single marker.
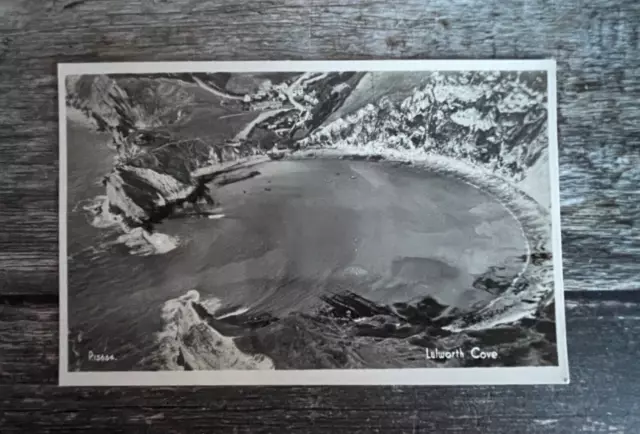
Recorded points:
(476, 353)
(441, 355)
(93, 357)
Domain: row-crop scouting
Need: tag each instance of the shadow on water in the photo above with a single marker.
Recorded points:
(348, 330)
(283, 262)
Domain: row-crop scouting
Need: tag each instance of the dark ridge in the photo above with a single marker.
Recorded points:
(242, 177)
(209, 177)
(201, 191)
(496, 280)
(547, 328)
(424, 312)
(537, 258)
(356, 157)
(222, 328)
(182, 362)
(350, 306)
(330, 101)
(276, 156)
(202, 312)
(158, 213)
(250, 321)
(498, 335)
(527, 132)
(236, 324)
(139, 190)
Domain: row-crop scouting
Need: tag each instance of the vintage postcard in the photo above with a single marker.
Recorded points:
(310, 223)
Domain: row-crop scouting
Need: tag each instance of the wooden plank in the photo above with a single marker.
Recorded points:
(29, 341)
(596, 46)
(603, 331)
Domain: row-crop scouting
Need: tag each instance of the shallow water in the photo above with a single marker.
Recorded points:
(285, 236)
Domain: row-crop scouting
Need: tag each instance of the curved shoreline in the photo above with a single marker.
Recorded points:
(188, 347)
(533, 220)
(528, 293)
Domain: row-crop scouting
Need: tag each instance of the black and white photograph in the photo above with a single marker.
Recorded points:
(338, 222)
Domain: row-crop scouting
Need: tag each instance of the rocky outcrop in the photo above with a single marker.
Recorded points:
(156, 169)
(189, 342)
(143, 196)
(126, 104)
(351, 331)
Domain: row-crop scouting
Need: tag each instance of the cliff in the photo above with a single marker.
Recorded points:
(495, 120)
(347, 332)
(173, 132)
(166, 155)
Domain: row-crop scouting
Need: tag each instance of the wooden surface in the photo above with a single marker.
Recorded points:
(604, 344)
(596, 45)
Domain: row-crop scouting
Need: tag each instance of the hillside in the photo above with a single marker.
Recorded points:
(172, 133)
(175, 133)
(496, 121)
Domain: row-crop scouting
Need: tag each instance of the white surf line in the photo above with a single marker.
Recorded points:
(523, 234)
(527, 244)
(216, 91)
(242, 135)
(234, 115)
(236, 312)
(513, 316)
(240, 163)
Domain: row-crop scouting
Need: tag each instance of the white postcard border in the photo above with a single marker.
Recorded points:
(408, 376)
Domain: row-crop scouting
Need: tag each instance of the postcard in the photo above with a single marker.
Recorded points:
(310, 223)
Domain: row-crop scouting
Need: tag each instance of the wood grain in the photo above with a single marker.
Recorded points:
(28, 342)
(603, 330)
(596, 46)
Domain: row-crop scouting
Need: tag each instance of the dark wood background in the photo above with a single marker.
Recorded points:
(596, 44)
